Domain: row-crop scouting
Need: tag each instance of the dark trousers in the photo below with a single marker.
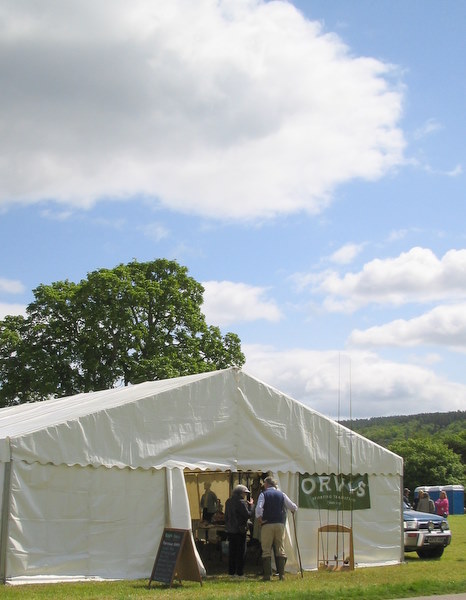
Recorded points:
(237, 553)
(206, 515)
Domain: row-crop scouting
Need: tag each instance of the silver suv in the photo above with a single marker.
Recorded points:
(425, 533)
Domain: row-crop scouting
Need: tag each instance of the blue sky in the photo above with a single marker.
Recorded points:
(305, 161)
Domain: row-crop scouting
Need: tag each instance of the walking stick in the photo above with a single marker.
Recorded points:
(297, 547)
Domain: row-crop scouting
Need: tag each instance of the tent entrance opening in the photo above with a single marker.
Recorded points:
(208, 492)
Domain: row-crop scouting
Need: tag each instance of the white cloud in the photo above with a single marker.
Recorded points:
(230, 108)
(11, 309)
(397, 234)
(155, 231)
(360, 384)
(226, 302)
(429, 127)
(413, 276)
(432, 358)
(11, 286)
(455, 172)
(346, 254)
(442, 326)
(57, 215)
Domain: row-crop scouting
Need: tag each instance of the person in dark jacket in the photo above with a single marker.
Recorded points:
(271, 513)
(406, 493)
(238, 510)
(209, 502)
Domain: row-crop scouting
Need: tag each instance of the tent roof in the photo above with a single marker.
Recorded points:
(216, 420)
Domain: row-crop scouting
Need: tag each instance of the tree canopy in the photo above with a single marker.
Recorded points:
(135, 322)
(428, 462)
(433, 445)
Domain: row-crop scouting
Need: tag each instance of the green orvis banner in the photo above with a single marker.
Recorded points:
(334, 492)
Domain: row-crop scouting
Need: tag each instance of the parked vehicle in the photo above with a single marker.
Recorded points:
(425, 533)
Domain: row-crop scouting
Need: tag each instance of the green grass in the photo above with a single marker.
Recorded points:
(415, 577)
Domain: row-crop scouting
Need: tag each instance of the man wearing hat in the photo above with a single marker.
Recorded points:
(271, 513)
(238, 510)
(406, 493)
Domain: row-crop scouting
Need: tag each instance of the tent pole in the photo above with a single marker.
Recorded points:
(297, 546)
(198, 497)
(5, 516)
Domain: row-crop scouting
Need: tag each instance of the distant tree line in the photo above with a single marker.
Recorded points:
(120, 326)
(433, 445)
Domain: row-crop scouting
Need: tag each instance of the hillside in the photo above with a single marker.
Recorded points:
(449, 427)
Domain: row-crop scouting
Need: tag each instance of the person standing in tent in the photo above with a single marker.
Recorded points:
(238, 510)
(208, 503)
(271, 513)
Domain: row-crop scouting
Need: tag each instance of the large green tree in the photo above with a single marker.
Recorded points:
(136, 322)
(428, 462)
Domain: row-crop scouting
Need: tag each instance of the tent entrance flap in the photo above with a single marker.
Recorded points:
(5, 509)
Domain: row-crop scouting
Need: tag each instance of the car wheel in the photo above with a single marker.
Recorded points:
(430, 552)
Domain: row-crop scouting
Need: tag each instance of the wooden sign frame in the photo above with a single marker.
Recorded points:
(335, 564)
(176, 558)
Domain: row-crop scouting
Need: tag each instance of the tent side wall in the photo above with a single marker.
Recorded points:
(288, 438)
(84, 521)
(376, 530)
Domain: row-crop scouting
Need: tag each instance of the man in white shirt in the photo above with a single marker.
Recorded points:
(271, 514)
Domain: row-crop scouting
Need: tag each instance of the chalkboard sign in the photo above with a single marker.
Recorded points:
(175, 558)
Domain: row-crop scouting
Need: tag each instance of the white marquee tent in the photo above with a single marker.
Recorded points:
(90, 481)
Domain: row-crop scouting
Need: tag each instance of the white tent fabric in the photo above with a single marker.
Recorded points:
(178, 507)
(89, 481)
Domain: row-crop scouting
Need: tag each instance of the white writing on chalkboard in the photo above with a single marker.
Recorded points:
(175, 557)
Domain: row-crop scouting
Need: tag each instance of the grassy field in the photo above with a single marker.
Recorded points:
(415, 577)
